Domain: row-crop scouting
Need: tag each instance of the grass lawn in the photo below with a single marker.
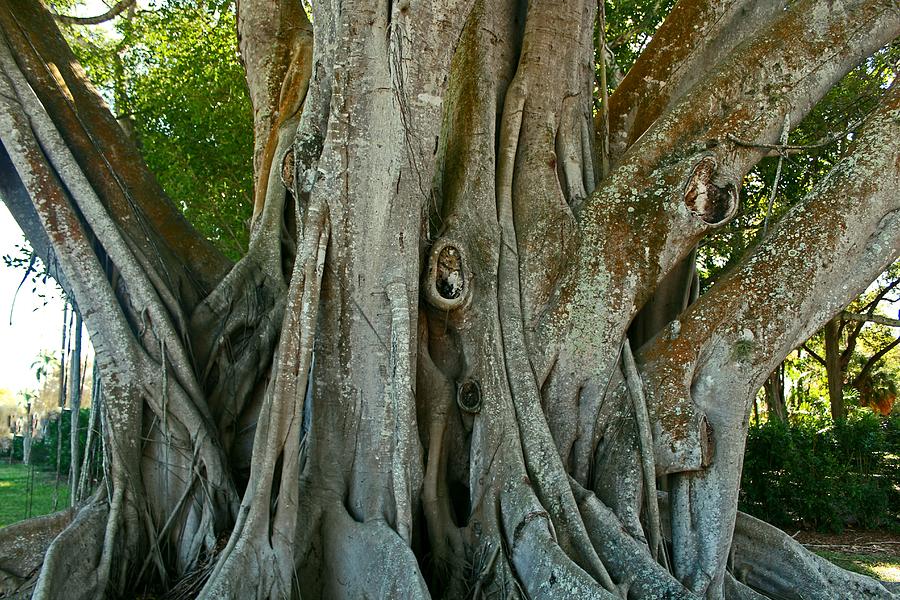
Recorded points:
(875, 553)
(880, 566)
(14, 493)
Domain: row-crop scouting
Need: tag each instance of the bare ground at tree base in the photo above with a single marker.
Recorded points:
(875, 553)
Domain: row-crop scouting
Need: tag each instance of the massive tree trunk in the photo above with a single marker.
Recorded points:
(419, 379)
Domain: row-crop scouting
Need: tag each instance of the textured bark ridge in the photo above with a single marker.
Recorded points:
(457, 360)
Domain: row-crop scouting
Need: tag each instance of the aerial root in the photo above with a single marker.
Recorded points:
(540, 564)
(22, 549)
(367, 560)
(260, 557)
(72, 562)
(648, 466)
(630, 564)
(774, 564)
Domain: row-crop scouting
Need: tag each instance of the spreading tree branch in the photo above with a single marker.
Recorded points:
(610, 281)
(873, 360)
(859, 323)
(750, 320)
(691, 42)
(155, 228)
(813, 354)
(109, 15)
(870, 318)
(714, 358)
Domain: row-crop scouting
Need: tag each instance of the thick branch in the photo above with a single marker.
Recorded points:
(275, 40)
(112, 13)
(715, 357)
(672, 204)
(870, 318)
(107, 156)
(764, 309)
(692, 40)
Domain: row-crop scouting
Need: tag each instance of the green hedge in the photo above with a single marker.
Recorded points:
(814, 474)
(43, 452)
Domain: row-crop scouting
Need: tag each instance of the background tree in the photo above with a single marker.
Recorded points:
(9, 413)
(420, 377)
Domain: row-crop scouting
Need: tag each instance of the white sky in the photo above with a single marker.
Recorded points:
(34, 326)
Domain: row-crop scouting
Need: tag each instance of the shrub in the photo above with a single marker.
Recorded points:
(812, 473)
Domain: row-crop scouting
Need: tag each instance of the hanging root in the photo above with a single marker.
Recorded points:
(259, 559)
(635, 572)
(773, 563)
(642, 418)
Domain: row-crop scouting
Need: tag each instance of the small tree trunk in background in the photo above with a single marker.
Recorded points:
(87, 466)
(776, 407)
(67, 324)
(75, 408)
(833, 370)
(26, 441)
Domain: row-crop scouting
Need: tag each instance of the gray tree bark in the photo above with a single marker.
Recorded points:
(418, 381)
(74, 410)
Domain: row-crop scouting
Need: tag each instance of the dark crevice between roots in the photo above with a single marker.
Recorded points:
(460, 502)
(273, 499)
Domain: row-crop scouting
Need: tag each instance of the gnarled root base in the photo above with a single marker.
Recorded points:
(23, 547)
(70, 565)
(773, 563)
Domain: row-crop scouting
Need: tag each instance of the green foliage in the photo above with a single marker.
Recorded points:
(630, 25)
(812, 473)
(172, 74)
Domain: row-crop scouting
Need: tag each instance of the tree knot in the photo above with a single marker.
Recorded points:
(708, 195)
(468, 396)
(446, 282)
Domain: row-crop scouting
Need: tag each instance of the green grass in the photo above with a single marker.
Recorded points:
(881, 566)
(14, 485)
